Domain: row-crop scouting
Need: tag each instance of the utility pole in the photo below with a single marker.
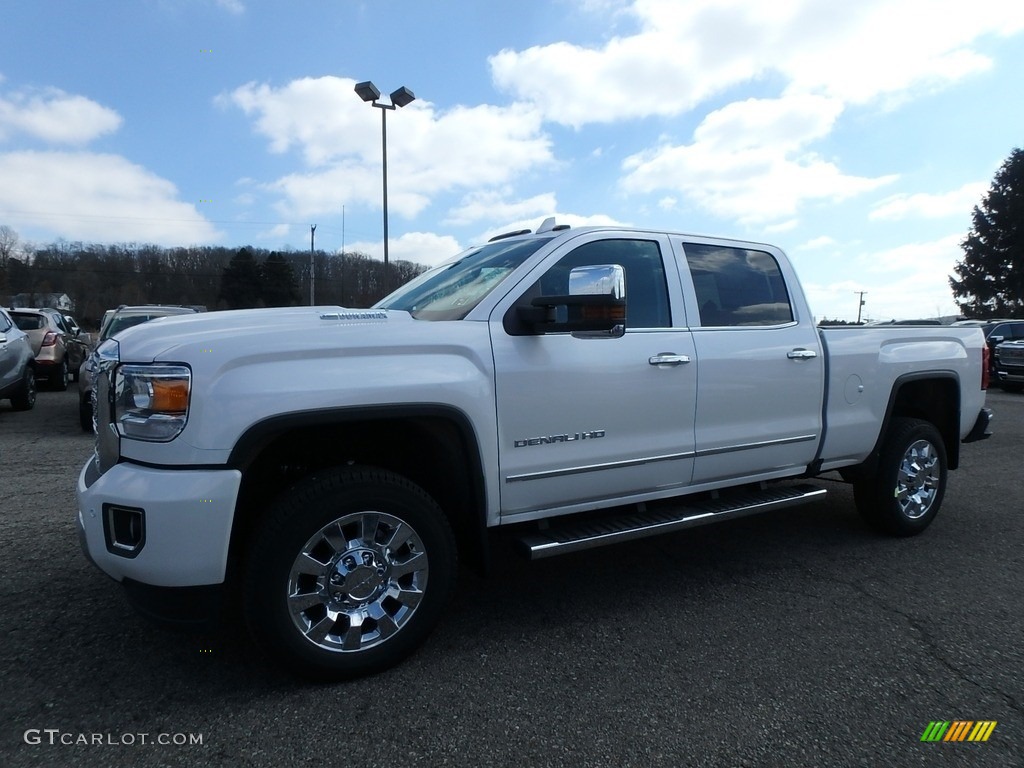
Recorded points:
(342, 256)
(312, 265)
(860, 304)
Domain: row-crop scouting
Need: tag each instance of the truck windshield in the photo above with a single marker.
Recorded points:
(451, 290)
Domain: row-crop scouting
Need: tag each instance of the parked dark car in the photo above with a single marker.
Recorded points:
(1008, 361)
(997, 332)
(17, 377)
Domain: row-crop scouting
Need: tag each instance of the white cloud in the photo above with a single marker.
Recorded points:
(54, 116)
(782, 226)
(574, 221)
(748, 161)
(104, 198)
(817, 243)
(685, 53)
(906, 282)
(959, 202)
(922, 259)
(429, 152)
(418, 247)
(493, 205)
(233, 6)
(277, 232)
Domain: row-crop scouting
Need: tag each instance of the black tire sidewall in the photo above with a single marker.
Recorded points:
(59, 379)
(25, 400)
(85, 414)
(298, 515)
(875, 499)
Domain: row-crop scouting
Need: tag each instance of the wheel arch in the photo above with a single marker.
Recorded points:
(933, 396)
(434, 446)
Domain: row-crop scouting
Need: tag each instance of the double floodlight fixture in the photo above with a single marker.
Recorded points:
(401, 97)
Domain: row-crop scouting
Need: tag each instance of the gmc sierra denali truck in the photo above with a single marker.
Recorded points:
(323, 468)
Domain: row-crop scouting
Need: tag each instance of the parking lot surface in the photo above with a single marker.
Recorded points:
(797, 638)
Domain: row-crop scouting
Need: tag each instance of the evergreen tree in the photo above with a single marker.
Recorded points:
(240, 286)
(991, 275)
(279, 287)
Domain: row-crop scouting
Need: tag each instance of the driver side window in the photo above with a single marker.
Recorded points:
(647, 303)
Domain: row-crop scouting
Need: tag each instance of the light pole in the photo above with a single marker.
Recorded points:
(399, 98)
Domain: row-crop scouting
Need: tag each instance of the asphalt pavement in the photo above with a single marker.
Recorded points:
(796, 638)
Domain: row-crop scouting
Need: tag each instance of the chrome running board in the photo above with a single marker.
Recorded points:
(611, 529)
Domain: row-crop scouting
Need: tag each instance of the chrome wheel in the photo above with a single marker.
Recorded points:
(918, 478)
(357, 581)
(903, 494)
(348, 572)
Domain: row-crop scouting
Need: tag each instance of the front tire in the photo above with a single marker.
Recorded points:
(905, 493)
(85, 413)
(349, 573)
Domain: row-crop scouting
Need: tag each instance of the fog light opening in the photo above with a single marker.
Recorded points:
(125, 529)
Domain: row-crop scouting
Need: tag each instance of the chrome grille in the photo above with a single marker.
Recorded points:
(1014, 353)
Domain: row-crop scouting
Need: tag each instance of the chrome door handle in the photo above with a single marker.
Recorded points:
(667, 358)
(801, 354)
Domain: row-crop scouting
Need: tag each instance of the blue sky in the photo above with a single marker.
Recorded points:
(856, 136)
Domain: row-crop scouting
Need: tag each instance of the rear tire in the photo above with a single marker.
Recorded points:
(348, 574)
(59, 378)
(25, 399)
(905, 493)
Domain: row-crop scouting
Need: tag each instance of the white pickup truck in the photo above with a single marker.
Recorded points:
(323, 468)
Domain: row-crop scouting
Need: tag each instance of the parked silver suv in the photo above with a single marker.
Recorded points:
(59, 351)
(17, 377)
(122, 318)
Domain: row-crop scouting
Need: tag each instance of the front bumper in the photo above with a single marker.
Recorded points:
(187, 516)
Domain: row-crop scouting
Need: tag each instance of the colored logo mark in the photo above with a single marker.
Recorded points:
(959, 730)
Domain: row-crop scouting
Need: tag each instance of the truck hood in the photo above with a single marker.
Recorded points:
(241, 333)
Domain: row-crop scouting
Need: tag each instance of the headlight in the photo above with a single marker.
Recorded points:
(151, 401)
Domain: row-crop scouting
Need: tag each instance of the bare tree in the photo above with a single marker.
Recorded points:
(8, 244)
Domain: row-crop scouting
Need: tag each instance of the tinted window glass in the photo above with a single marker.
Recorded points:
(450, 291)
(30, 322)
(646, 289)
(736, 286)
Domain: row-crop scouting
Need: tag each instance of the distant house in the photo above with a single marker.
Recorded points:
(59, 301)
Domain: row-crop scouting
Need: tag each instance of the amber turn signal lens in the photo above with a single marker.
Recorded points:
(169, 395)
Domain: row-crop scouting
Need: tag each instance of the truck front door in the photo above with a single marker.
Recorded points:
(586, 421)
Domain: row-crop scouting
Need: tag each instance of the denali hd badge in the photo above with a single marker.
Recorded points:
(592, 435)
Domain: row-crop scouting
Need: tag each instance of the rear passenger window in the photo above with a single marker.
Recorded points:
(737, 286)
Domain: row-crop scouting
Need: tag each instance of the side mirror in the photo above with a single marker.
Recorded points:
(594, 307)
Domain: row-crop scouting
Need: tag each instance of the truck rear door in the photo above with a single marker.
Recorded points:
(760, 374)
